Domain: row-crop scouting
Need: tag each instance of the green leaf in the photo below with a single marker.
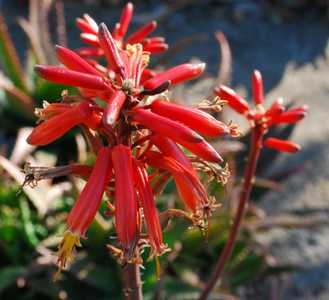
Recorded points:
(28, 225)
(9, 58)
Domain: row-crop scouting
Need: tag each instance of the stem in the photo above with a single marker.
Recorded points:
(132, 284)
(256, 139)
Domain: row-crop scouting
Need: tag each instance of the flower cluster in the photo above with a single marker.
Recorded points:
(136, 133)
(89, 35)
(276, 114)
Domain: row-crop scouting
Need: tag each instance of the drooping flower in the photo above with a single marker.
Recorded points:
(86, 207)
(126, 212)
(60, 121)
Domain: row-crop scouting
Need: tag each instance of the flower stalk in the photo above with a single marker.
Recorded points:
(256, 145)
(132, 284)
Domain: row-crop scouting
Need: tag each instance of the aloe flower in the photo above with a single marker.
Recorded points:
(90, 36)
(140, 139)
(275, 115)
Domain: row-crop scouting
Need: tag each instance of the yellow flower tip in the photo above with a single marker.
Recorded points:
(65, 250)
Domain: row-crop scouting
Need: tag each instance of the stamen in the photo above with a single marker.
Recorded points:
(65, 250)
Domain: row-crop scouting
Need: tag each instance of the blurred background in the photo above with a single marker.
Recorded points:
(282, 252)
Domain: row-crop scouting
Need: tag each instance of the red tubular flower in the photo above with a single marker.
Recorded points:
(125, 19)
(276, 108)
(234, 100)
(166, 127)
(155, 48)
(289, 117)
(86, 207)
(89, 52)
(113, 108)
(90, 39)
(192, 192)
(257, 87)
(125, 198)
(87, 24)
(69, 77)
(142, 33)
(74, 62)
(203, 150)
(194, 118)
(51, 110)
(89, 30)
(170, 149)
(111, 50)
(57, 126)
(175, 75)
(150, 212)
(281, 145)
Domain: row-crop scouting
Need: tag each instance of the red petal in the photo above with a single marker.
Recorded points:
(90, 38)
(191, 190)
(176, 75)
(257, 87)
(288, 117)
(114, 106)
(281, 145)
(196, 119)
(141, 33)
(69, 77)
(75, 62)
(125, 19)
(234, 100)
(166, 127)
(169, 148)
(276, 108)
(91, 22)
(125, 197)
(89, 51)
(147, 74)
(83, 25)
(156, 48)
(149, 209)
(58, 125)
(203, 150)
(87, 205)
(111, 50)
